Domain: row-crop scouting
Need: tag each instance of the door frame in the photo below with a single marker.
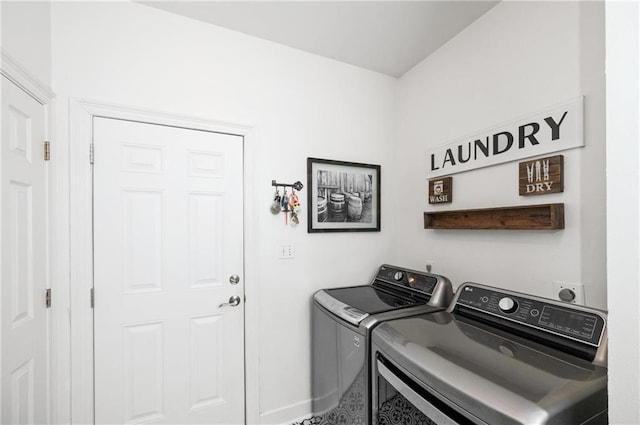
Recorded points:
(81, 116)
(41, 93)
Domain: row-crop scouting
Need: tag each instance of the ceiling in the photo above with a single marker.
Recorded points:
(389, 37)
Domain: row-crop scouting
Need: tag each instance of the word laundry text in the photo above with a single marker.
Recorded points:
(497, 143)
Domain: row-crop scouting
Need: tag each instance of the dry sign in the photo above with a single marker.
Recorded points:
(551, 130)
(542, 176)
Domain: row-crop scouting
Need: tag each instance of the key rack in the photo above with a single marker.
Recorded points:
(297, 185)
(287, 204)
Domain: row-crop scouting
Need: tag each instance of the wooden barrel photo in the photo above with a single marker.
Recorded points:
(336, 207)
(323, 213)
(354, 208)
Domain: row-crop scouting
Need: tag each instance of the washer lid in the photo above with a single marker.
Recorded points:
(355, 303)
(371, 299)
(490, 375)
(340, 309)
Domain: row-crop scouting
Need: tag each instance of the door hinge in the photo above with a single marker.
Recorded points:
(47, 298)
(47, 150)
(93, 299)
(91, 153)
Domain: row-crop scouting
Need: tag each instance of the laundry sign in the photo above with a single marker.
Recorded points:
(551, 130)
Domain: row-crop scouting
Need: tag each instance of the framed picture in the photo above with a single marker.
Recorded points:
(343, 196)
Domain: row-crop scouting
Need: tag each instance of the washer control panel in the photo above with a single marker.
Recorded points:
(422, 282)
(545, 315)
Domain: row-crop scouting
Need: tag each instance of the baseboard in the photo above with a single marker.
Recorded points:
(287, 415)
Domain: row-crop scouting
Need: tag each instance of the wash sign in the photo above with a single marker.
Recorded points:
(551, 130)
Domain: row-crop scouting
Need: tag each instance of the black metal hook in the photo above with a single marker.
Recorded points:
(297, 185)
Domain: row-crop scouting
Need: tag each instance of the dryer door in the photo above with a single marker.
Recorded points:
(485, 375)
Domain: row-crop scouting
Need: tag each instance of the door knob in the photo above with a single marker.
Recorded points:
(234, 279)
(233, 301)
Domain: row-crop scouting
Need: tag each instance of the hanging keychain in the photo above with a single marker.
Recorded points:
(294, 203)
(275, 206)
(285, 206)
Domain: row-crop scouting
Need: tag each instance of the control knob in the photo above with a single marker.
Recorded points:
(398, 276)
(567, 295)
(508, 305)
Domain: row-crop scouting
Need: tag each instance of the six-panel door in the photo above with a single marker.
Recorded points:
(23, 212)
(168, 220)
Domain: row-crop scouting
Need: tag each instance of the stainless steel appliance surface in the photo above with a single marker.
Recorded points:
(493, 357)
(342, 322)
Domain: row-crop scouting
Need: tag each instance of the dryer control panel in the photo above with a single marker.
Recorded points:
(581, 324)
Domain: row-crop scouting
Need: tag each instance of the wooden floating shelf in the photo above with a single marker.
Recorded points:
(533, 217)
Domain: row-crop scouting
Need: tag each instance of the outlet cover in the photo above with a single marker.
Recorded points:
(576, 288)
(287, 252)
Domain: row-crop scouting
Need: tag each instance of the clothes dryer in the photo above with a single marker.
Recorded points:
(494, 357)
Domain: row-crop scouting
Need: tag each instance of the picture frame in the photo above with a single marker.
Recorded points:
(343, 196)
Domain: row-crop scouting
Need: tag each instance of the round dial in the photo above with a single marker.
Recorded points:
(508, 305)
(567, 295)
(398, 276)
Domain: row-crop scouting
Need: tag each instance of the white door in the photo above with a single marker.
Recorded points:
(23, 211)
(168, 220)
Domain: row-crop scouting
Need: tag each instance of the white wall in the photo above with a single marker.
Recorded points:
(301, 106)
(26, 36)
(516, 59)
(623, 207)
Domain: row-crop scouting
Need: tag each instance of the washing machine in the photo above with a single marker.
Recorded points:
(343, 319)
